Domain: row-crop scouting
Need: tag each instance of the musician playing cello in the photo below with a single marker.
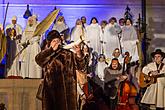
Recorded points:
(155, 93)
(112, 78)
(125, 89)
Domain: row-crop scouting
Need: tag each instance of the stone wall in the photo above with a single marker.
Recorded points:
(155, 25)
(19, 94)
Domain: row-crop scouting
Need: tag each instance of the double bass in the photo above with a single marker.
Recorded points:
(126, 90)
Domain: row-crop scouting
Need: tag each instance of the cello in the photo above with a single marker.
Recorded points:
(126, 90)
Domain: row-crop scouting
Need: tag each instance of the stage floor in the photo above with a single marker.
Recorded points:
(20, 94)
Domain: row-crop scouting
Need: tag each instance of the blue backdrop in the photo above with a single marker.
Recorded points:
(71, 9)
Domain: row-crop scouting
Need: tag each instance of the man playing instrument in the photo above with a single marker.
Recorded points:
(154, 95)
(112, 78)
(60, 65)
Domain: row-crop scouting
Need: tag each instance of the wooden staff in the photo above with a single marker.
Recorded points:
(3, 40)
(5, 15)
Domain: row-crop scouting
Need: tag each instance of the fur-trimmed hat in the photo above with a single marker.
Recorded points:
(52, 35)
(158, 51)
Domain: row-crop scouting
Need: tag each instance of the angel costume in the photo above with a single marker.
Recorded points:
(94, 33)
(129, 40)
(111, 39)
(29, 68)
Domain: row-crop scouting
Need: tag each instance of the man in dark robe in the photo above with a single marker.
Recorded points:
(60, 65)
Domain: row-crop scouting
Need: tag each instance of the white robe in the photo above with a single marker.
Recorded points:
(111, 39)
(100, 70)
(60, 27)
(102, 40)
(94, 33)
(86, 25)
(155, 93)
(129, 40)
(77, 31)
(29, 67)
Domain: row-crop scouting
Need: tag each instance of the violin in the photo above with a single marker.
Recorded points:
(13, 34)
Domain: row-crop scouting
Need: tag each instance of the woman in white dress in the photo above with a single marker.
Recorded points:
(129, 40)
(77, 31)
(111, 37)
(103, 25)
(94, 33)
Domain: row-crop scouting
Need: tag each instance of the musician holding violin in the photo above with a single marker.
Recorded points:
(155, 93)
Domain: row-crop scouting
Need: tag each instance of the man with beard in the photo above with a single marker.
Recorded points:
(29, 68)
(14, 25)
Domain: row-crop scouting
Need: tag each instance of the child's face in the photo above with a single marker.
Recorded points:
(112, 22)
(116, 53)
(83, 20)
(94, 21)
(101, 59)
(78, 22)
(103, 25)
(128, 22)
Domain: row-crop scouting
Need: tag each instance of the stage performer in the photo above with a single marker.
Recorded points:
(154, 95)
(60, 65)
(29, 68)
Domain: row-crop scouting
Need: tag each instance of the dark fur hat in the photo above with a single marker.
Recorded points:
(52, 35)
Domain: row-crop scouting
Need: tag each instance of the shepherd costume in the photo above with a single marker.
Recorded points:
(60, 85)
